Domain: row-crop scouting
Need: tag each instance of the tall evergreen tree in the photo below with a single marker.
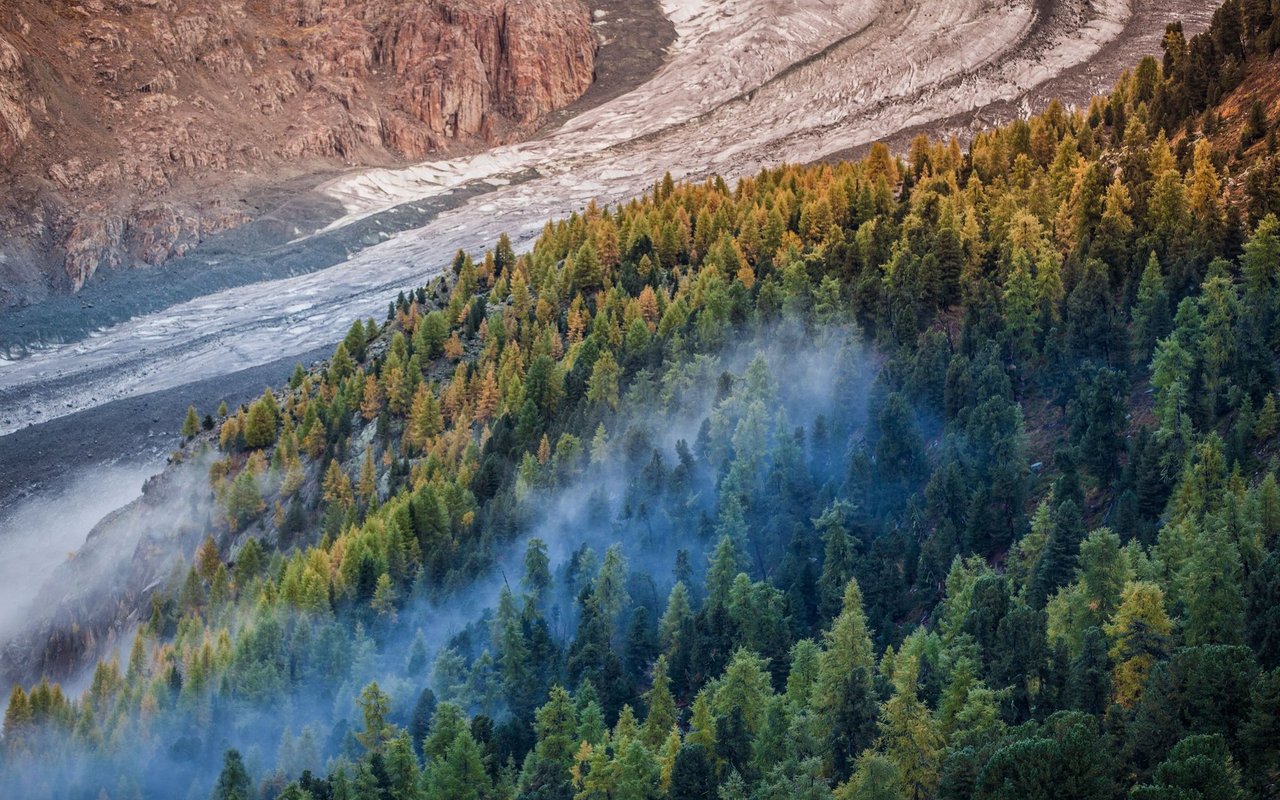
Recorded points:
(844, 699)
(1057, 561)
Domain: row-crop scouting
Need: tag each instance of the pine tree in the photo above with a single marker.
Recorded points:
(1088, 686)
(1151, 321)
(1261, 759)
(1057, 561)
(233, 782)
(1255, 126)
(1103, 572)
(425, 707)
(1197, 767)
(693, 776)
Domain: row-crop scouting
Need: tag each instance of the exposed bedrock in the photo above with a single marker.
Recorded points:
(129, 130)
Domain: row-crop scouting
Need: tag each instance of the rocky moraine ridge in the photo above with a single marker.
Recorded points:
(130, 129)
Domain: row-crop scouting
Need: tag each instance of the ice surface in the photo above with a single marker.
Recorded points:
(747, 84)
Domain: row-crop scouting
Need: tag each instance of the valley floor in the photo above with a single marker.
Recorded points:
(745, 85)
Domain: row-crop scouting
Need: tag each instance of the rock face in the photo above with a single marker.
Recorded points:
(94, 601)
(130, 129)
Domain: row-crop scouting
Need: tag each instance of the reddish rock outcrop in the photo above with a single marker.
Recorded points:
(130, 129)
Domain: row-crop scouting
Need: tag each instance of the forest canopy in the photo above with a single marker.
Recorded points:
(951, 475)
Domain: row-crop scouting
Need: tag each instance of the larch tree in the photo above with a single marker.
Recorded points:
(337, 485)
(677, 614)
(375, 708)
(844, 699)
(536, 580)
(403, 771)
(1139, 635)
(726, 562)
(603, 385)
(459, 774)
(909, 735)
(876, 778)
(207, 559)
(661, 706)
(1210, 585)
(260, 427)
(191, 424)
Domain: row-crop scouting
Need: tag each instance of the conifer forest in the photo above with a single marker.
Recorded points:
(948, 470)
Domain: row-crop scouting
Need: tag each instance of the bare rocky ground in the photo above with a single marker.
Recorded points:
(266, 247)
(132, 130)
(742, 86)
(143, 428)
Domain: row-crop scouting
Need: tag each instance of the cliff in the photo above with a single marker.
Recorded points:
(131, 129)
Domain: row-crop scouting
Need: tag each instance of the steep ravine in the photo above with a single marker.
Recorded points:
(131, 131)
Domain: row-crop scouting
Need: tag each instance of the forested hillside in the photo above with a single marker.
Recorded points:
(951, 476)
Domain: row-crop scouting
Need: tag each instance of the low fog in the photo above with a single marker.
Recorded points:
(39, 533)
(725, 399)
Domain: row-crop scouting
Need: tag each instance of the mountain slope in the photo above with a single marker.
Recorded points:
(949, 476)
(130, 130)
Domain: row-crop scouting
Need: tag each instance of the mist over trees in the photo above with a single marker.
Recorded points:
(951, 476)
